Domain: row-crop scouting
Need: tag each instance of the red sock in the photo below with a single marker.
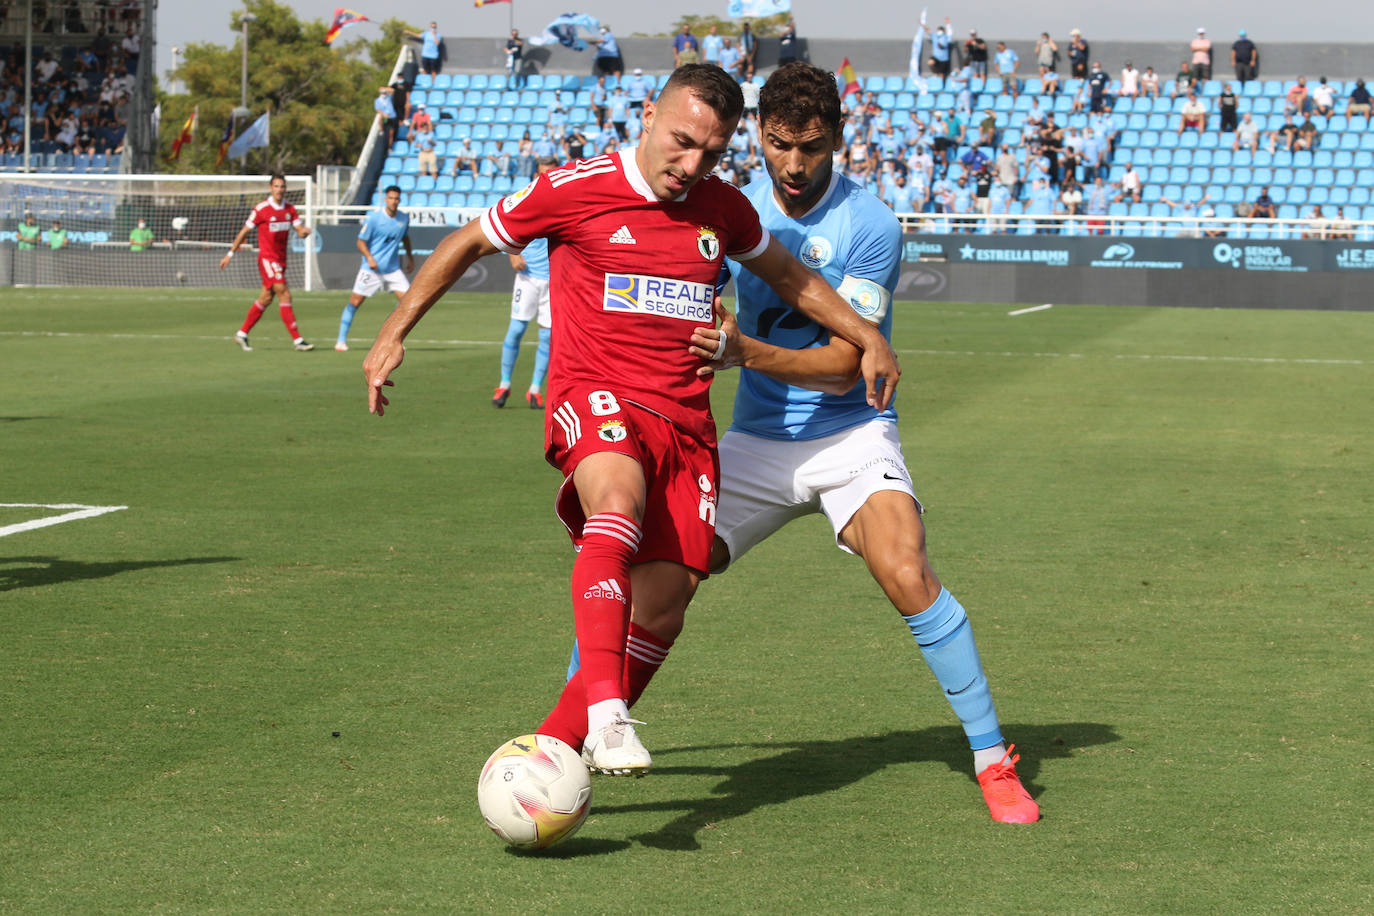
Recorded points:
(254, 313)
(288, 318)
(601, 602)
(644, 653)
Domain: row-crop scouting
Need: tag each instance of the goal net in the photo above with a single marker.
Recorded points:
(192, 221)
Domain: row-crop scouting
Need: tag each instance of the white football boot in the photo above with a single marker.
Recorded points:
(616, 750)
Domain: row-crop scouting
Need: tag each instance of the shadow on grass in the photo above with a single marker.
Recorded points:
(22, 419)
(51, 570)
(816, 767)
(574, 848)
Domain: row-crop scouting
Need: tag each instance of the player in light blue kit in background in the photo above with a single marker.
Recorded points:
(529, 300)
(379, 242)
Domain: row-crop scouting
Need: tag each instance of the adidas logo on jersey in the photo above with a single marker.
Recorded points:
(606, 588)
(622, 237)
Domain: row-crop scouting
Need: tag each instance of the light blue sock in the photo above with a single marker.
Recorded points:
(510, 349)
(574, 663)
(541, 358)
(945, 637)
(346, 321)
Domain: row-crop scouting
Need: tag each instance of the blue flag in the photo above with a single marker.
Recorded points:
(563, 31)
(914, 67)
(257, 135)
(757, 9)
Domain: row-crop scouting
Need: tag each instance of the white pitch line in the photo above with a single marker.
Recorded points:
(117, 336)
(83, 512)
(1033, 308)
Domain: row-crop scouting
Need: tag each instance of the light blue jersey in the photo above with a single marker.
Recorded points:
(536, 255)
(383, 235)
(849, 233)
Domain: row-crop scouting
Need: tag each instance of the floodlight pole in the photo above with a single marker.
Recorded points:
(243, 78)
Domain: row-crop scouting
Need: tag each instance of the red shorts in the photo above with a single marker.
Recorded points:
(272, 272)
(681, 473)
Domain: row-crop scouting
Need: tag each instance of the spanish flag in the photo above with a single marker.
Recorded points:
(851, 79)
(188, 131)
(342, 19)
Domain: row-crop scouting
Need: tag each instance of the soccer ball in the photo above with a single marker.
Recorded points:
(181, 276)
(534, 791)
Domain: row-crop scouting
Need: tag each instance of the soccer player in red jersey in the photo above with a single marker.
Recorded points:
(274, 219)
(636, 241)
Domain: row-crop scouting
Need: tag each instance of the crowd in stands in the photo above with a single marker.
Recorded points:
(984, 135)
(81, 88)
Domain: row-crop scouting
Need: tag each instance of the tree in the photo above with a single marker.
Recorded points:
(320, 97)
(762, 27)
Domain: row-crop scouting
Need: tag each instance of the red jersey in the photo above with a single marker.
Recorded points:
(631, 276)
(273, 224)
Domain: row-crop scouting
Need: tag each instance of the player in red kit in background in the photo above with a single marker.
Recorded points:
(274, 219)
(636, 241)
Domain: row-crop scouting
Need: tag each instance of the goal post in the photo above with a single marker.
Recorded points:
(193, 219)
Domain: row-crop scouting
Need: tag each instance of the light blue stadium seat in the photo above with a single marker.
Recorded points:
(1189, 139)
(1262, 158)
(1263, 106)
(1157, 174)
(424, 183)
(482, 183)
(1283, 176)
(1158, 122)
(894, 83)
(1344, 178)
(1324, 177)
(1192, 194)
(1243, 175)
(1338, 123)
(458, 81)
(534, 81)
(1299, 196)
(1031, 86)
(477, 81)
(418, 200)
(1350, 141)
(1199, 175)
(1264, 175)
(463, 182)
(1234, 194)
(1161, 209)
(406, 182)
(1202, 157)
(1151, 193)
(1222, 157)
(1168, 140)
(1339, 196)
(1149, 138)
(444, 183)
(1173, 191)
(1341, 159)
(1273, 88)
(1360, 196)
(1221, 174)
(422, 81)
(1182, 157)
(1209, 140)
(496, 81)
(443, 81)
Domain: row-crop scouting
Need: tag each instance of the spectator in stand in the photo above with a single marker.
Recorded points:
(987, 128)
(1227, 105)
(1316, 226)
(748, 46)
(974, 160)
(1286, 137)
(1340, 226)
(1307, 135)
(525, 159)
(963, 90)
(1149, 83)
(1323, 98)
(710, 46)
(423, 142)
(1049, 82)
(1360, 101)
(385, 107)
(1007, 169)
(431, 48)
(1007, 61)
(1193, 114)
(1130, 81)
(787, 43)
(1183, 80)
(1047, 55)
(730, 59)
(940, 52)
(502, 161)
(1071, 156)
(598, 96)
(1090, 154)
(132, 45)
(618, 110)
(1071, 197)
(1202, 56)
(1297, 101)
(961, 202)
(982, 190)
(421, 117)
(1263, 207)
(951, 139)
(464, 158)
(1245, 58)
(1041, 201)
(608, 61)
(1190, 208)
(638, 90)
(575, 143)
(976, 55)
(686, 48)
(1098, 84)
(900, 196)
(1097, 200)
(1078, 55)
(1131, 186)
(1247, 134)
(1034, 116)
(515, 58)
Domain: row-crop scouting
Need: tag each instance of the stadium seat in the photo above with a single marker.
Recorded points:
(1221, 157)
(1367, 141)
(443, 81)
(1324, 178)
(418, 200)
(1221, 174)
(1339, 196)
(1359, 196)
(406, 183)
(1199, 175)
(424, 183)
(1283, 176)
(1243, 175)
(477, 81)
(1309, 195)
(1264, 175)
(456, 199)
(458, 81)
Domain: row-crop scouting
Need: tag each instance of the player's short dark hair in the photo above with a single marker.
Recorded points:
(798, 93)
(275, 176)
(391, 187)
(712, 85)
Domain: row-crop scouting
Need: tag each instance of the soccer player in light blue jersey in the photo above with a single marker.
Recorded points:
(804, 438)
(379, 242)
(529, 301)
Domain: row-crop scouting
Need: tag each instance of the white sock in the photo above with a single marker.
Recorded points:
(599, 715)
(986, 757)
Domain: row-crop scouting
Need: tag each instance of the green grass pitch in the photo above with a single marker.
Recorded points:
(1159, 520)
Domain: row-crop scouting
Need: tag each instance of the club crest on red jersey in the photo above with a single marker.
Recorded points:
(708, 244)
(612, 431)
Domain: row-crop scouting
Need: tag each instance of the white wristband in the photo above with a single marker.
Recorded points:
(230, 254)
(720, 347)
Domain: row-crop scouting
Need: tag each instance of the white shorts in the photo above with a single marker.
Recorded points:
(369, 281)
(530, 298)
(765, 483)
